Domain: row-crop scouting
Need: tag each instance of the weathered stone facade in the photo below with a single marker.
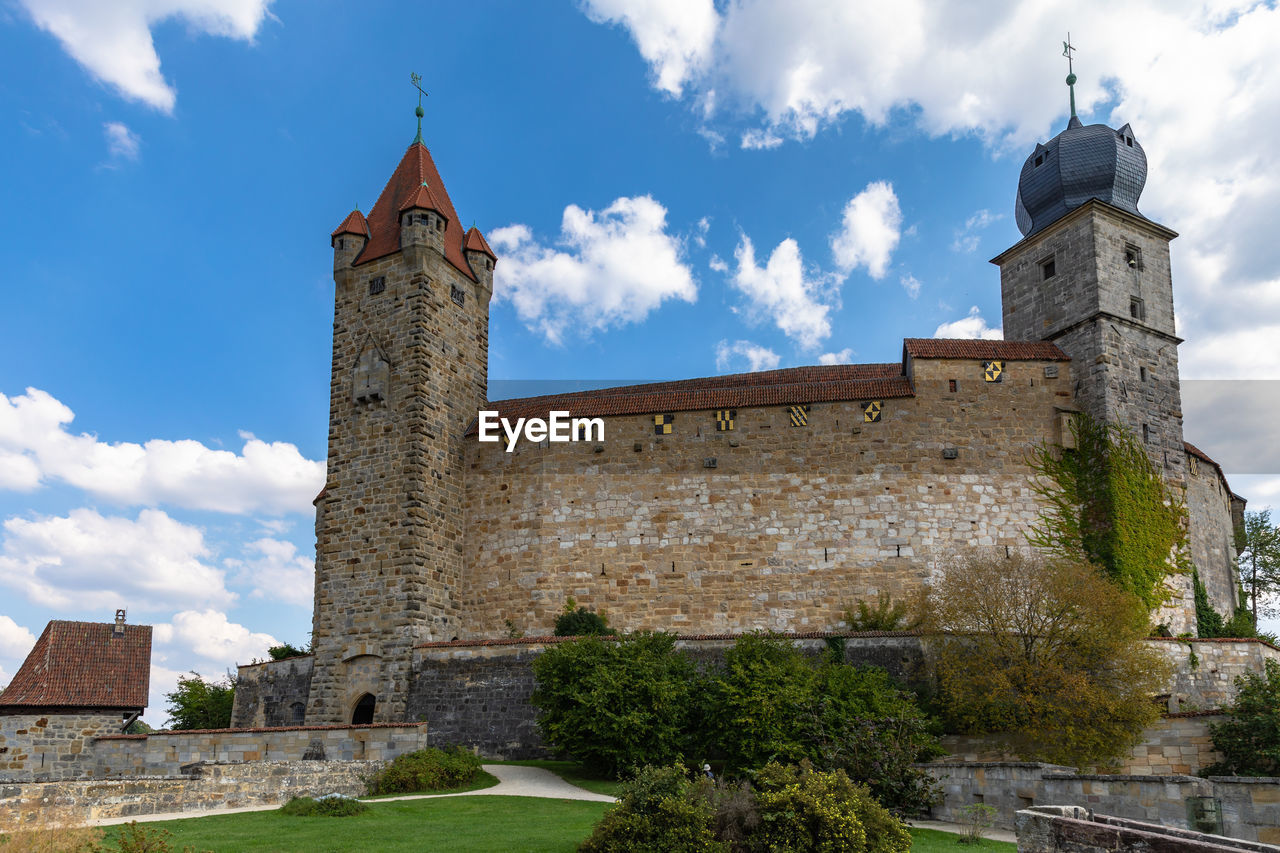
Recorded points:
(52, 746)
(273, 693)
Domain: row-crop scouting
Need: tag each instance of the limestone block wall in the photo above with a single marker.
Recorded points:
(210, 786)
(272, 693)
(166, 753)
(51, 746)
(1208, 682)
(789, 526)
(1212, 533)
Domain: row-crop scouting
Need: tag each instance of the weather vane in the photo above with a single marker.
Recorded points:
(1067, 49)
(416, 80)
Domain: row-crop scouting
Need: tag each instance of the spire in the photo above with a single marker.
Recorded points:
(416, 79)
(1067, 49)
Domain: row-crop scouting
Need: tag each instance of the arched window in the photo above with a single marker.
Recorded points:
(363, 714)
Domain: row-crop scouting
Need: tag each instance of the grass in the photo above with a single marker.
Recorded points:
(455, 825)
(937, 841)
(573, 773)
(482, 780)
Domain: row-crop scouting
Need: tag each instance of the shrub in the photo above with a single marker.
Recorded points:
(581, 622)
(426, 770)
(976, 818)
(657, 813)
(1249, 740)
(287, 650)
(886, 615)
(616, 705)
(802, 809)
(330, 805)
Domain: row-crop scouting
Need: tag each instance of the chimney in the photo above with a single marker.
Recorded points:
(118, 629)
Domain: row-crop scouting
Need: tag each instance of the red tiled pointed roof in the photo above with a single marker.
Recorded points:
(422, 198)
(477, 243)
(974, 348)
(354, 224)
(820, 384)
(384, 220)
(82, 665)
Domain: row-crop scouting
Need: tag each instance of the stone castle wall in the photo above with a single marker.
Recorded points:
(51, 746)
(790, 526)
(1212, 537)
(1207, 682)
(272, 693)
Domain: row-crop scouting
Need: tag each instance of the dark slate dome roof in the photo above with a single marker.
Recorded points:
(1082, 162)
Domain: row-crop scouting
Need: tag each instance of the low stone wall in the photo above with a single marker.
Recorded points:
(49, 747)
(166, 753)
(1250, 807)
(208, 786)
(272, 693)
(1050, 829)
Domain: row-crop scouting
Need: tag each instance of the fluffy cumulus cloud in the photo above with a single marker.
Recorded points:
(610, 268)
(792, 69)
(113, 39)
(972, 326)
(87, 560)
(36, 446)
(755, 356)
(275, 571)
(211, 636)
(869, 232)
(784, 290)
(674, 36)
(15, 642)
(844, 356)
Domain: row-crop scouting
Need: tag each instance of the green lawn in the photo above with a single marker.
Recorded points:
(936, 841)
(573, 773)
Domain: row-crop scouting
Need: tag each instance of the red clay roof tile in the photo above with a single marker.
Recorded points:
(384, 220)
(354, 224)
(81, 665)
(972, 348)
(422, 198)
(476, 243)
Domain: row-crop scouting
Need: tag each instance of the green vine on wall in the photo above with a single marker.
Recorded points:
(1106, 502)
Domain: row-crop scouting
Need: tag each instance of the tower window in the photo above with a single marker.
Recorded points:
(1132, 257)
(456, 294)
(1048, 269)
(1040, 160)
(377, 285)
(951, 385)
(1137, 310)
(1146, 433)
(1142, 374)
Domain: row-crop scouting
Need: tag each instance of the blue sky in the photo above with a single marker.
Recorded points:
(673, 189)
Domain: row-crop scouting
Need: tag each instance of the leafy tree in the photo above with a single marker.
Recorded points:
(200, 704)
(1045, 652)
(1209, 622)
(1249, 740)
(616, 705)
(1109, 506)
(287, 650)
(581, 622)
(1259, 559)
(138, 727)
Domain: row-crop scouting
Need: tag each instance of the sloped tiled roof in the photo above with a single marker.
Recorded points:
(422, 198)
(827, 383)
(971, 348)
(384, 220)
(477, 243)
(1205, 457)
(81, 665)
(354, 224)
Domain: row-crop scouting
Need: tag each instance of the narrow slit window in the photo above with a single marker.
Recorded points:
(1137, 310)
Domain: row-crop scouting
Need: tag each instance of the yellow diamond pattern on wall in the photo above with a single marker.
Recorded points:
(871, 411)
(725, 419)
(993, 371)
(799, 415)
(662, 424)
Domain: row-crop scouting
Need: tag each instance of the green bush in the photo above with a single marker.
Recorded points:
(885, 615)
(327, 806)
(426, 770)
(581, 622)
(657, 813)
(1249, 740)
(802, 809)
(616, 705)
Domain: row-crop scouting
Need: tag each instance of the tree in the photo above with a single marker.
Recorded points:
(1249, 740)
(1109, 506)
(1259, 559)
(1045, 652)
(200, 704)
(287, 650)
(581, 622)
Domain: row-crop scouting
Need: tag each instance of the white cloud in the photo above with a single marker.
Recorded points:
(620, 265)
(211, 636)
(35, 446)
(122, 143)
(782, 289)
(276, 571)
(674, 36)
(911, 285)
(968, 238)
(972, 326)
(757, 357)
(113, 39)
(870, 231)
(760, 140)
(844, 356)
(15, 640)
(91, 561)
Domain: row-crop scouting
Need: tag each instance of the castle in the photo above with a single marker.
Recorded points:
(727, 504)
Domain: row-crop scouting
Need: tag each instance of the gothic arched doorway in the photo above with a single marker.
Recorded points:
(363, 713)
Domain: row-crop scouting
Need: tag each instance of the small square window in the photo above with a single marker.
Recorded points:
(377, 285)
(456, 294)
(1040, 160)
(1048, 269)
(1137, 310)
(951, 385)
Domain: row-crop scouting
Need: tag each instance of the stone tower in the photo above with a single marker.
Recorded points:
(409, 371)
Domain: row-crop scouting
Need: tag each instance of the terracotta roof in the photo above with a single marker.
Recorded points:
(354, 224)
(384, 220)
(477, 243)
(422, 198)
(81, 665)
(828, 383)
(1205, 457)
(971, 348)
